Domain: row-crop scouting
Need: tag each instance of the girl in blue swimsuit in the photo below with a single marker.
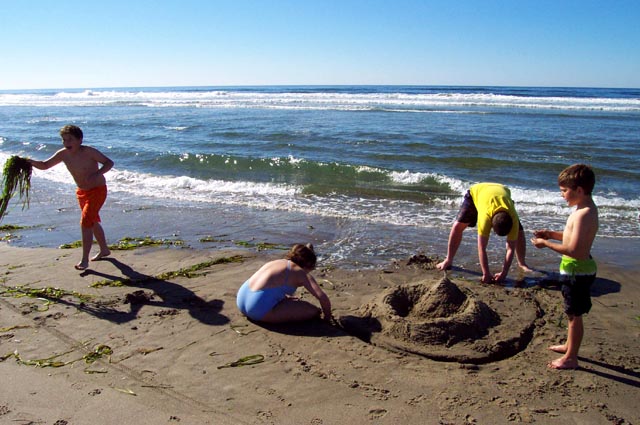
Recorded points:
(267, 296)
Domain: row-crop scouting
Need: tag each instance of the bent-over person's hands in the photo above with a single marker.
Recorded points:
(486, 278)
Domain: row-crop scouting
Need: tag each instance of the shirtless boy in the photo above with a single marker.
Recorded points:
(577, 267)
(83, 162)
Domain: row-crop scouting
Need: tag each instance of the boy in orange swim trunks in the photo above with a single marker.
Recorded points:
(83, 162)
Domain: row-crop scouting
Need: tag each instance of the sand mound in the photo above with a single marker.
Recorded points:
(444, 322)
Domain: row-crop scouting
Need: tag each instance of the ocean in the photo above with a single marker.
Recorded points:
(368, 174)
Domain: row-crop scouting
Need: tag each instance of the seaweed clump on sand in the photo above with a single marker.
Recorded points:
(16, 177)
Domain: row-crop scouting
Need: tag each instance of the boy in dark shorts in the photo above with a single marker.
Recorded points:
(489, 206)
(577, 267)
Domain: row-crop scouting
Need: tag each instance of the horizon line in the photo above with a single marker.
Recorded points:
(318, 85)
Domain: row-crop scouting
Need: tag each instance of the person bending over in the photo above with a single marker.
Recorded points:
(489, 205)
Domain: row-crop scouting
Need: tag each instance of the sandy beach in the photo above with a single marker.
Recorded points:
(153, 336)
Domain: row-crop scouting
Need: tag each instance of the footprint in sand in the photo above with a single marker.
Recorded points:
(377, 413)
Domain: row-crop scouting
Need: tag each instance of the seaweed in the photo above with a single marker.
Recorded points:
(98, 352)
(129, 243)
(244, 361)
(47, 294)
(260, 246)
(10, 227)
(16, 178)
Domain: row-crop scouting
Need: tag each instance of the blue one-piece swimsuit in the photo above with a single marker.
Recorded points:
(256, 304)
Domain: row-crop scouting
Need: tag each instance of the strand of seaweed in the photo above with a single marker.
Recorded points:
(89, 358)
(16, 178)
(47, 294)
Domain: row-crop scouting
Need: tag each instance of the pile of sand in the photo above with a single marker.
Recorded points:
(441, 321)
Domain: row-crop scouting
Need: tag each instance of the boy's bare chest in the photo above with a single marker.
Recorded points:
(80, 164)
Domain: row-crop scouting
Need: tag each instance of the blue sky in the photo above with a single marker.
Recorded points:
(114, 43)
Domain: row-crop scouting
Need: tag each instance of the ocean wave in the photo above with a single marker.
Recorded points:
(540, 208)
(449, 102)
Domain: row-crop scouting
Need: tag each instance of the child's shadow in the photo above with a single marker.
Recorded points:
(172, 296)
(601, 286)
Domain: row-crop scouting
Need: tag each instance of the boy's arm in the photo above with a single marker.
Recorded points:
(548, 234)
(582, 226)
(107, 163)
(55, 159)
(508, 259)
(483, 241)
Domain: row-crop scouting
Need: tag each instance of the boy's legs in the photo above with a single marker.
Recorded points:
(571, 347)
(98, 232)
(87, 241)
(455, 238)
(467, 216)
(576, 292)
(90, 203)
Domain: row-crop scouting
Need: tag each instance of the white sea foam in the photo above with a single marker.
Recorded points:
(317, 101)
(539, 207)
(194, 190)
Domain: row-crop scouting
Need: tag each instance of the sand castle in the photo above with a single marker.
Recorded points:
(445, 322)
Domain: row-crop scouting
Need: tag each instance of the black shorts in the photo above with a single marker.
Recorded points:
(576, 292)
(468, 213)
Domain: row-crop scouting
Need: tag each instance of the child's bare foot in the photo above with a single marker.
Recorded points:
(100, 255)
(563, 363)
(82, 265)
(559, 348)
(525, 268)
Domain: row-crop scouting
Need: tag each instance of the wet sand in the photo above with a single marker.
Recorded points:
(167, 346)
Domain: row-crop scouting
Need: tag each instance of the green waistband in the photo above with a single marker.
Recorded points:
(573, 267)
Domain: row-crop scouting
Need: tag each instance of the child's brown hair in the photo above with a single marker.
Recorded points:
(501, 222)
(73, 130)
(578, 175)
(303, 255)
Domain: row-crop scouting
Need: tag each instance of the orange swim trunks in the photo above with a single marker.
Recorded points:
(90, 203)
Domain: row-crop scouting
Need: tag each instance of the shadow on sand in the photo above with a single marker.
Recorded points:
(600, 287)
(616, 373)
(172, 297)
(310, 328)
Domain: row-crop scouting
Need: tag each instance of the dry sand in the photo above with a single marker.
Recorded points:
(428, 351)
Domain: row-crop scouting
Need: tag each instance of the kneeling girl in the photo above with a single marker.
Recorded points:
(267, 296)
